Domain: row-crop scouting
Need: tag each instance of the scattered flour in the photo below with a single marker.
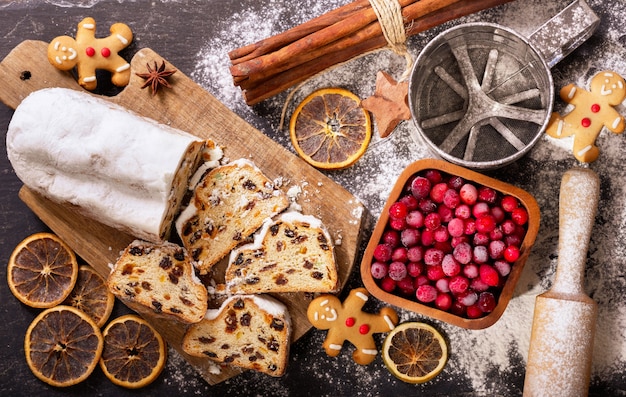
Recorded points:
(479, 357)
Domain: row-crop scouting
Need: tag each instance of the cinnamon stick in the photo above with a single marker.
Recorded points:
(363, 40)
(275, 42)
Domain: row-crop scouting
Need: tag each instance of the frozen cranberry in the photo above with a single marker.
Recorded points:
(455, 182)
(519, 216)
(409, 201)
(496, 234)
(443, 246)
(378, 270)
(420, 187)
(433, 256)
(463, 253)
(473, 312)
(503, 267)
(480, 239)
(405, 286)
(456, 227)
(397, 224)
(441, 234)
(458, 240)
(470, 270)
(387, 284)
(458, 284)
(414, 269)
(468, 194)
(496, 249)
(478, 285)
(511, 253)
(438, 191)
(443, 301)
(463, 211)
(451, 267)
(399, 254)
(469, 226)
(426, 293)
(398, 210)
(415, 219)
(432, 221)
(487, 194)
(397, 271)
(391, 237)
(457, 309)
(382, 252)
(467, 298)
(480, 209)
(485, 223)
(486, 302)
(446, 214)
(513, 240)
(410, 237)
(420, 280)
(509, 203)
(427, 206)
(508, 226)
(481, 254)
(415, 254)
(434, 273)
(428, 238)
(451, 198)
(434, 176)
(498, 214)
(442, 285)
(489, 275)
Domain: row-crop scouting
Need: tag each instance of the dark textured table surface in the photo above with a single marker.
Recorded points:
(195, 37)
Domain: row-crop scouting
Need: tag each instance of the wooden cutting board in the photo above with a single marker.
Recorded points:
(189, 107)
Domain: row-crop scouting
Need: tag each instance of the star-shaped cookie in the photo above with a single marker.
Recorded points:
(389, 104)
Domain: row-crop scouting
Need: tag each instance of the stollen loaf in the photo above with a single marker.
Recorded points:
(114, 166)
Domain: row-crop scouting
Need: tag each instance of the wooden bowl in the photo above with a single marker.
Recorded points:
(516, 269)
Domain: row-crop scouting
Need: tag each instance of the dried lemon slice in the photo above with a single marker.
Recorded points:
(91, 295)
(42, 270)
(329, 129)
(134, 353)
(415, 352)
(62, 346)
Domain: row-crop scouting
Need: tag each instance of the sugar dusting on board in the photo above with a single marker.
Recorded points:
(477, 358)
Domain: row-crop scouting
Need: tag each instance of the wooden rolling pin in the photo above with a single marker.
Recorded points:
(561, 341)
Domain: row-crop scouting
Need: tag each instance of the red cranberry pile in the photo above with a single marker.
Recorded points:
(449, 243)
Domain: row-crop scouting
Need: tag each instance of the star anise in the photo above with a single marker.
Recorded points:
(156, 77)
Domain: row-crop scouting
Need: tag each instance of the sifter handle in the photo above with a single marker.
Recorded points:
(578, 203)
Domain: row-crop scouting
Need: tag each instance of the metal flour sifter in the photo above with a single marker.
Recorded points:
(481, 94)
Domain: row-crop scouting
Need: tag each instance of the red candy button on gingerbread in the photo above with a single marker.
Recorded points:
(592, 111)
(89, 54)
(347, 322)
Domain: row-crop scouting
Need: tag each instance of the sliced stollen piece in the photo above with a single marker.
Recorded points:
(293, 253)
(161, 278)
(247, 331)
(116, 167)
(229, 204)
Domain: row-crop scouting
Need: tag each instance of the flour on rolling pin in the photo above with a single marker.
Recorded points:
(563, 330)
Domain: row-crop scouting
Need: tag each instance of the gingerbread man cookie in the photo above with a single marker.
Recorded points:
(592, 111)
(347, 322)
(89, 54)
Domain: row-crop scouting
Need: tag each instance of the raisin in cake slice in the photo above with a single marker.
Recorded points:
(247, 331)
(229, 204)
(159, 277)
(293, 253)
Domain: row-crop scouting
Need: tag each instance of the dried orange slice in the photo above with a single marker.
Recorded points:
(415, 352)
(42, 270)
(91, 295)
(330, 129)
(134, 353)
(62, 346)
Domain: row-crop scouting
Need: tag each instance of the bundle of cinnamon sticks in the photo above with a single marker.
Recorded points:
(270, 66)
